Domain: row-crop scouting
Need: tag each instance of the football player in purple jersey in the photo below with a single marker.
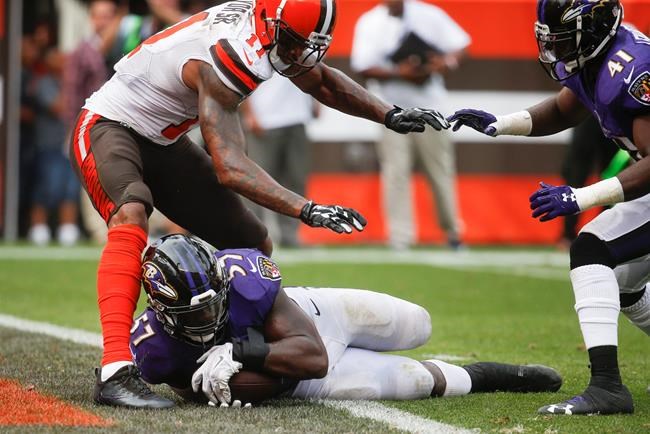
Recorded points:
(212, 313)
(604, 68)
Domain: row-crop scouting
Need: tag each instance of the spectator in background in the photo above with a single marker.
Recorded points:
(86, 71)
(43, 38)
(403, 48)
(135, 28)
(275, 117)
(28, 58)
(55, 185)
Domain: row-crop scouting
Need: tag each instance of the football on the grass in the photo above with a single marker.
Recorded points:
(255, 387)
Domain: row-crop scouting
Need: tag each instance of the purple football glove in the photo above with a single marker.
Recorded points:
(553, 201)
(476, 119)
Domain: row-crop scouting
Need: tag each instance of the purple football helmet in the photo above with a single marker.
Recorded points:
(571, 32)
(187, 288)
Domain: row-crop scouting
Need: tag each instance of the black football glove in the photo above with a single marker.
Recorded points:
(414, 119)
(334, 217)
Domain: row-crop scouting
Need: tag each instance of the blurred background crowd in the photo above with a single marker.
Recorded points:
(68, 50)
(430, 190)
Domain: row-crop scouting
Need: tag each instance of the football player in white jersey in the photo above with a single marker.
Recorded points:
(130, 151)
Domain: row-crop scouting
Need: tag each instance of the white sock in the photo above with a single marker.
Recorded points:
(597, 304)
(110, 369)
(639, 313)
(458, 380)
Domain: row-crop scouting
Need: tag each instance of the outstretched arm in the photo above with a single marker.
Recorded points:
(551, 116)
(335, 89)
(221, 129)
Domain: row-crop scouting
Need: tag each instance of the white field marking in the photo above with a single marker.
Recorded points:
(65, 333)
(362, 409)
(444, 258)
(547, 273)
(51, 253)
(445, 357)
(396, 418)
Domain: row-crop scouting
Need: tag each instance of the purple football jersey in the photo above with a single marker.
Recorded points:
(255, 281)
(621, 91)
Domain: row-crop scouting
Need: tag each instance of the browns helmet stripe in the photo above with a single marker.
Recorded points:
(229, 63)
(327, 17)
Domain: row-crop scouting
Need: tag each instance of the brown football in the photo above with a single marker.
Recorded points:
(255, 387)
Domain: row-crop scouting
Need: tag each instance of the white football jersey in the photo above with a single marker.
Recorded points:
(147, 91)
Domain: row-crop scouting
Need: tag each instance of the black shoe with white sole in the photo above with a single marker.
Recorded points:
(126, 389)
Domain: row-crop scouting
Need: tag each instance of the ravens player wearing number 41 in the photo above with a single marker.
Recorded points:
(605, 70)
(130, 150)
(227, 310)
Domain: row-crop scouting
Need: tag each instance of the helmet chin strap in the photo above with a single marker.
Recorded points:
(276, 61)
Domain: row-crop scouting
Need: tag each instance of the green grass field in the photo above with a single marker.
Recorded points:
(499, 312)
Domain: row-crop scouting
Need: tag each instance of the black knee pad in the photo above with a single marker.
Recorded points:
(588, 249)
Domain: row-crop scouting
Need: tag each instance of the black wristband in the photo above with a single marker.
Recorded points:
(252, 352)
(305, 211)
(389, 115)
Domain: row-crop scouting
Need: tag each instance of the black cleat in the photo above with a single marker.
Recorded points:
(594, 400)
(492, 377)
(126, 389)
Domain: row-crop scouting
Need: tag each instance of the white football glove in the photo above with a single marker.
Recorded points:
(215, 373)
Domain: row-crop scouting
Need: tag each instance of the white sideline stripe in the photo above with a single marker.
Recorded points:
(74, 335)
(362, 409)
(356, 256)
(445, 357)
(513, 262)
(434, 258)
(396, 418)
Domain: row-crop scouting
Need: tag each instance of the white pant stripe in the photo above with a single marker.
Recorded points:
(80, 138)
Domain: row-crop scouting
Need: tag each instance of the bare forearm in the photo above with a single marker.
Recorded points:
(296, 357)
(337, 90)
(556, 114)
(239, 173)
(379, 73)
(635, 180)
(221, 129)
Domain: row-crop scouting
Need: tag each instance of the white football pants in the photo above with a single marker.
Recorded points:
(355, 324)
